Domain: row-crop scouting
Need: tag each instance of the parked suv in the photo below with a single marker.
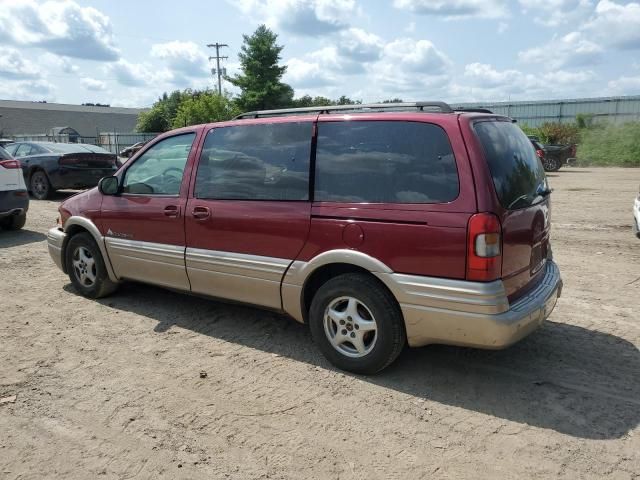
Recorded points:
(378, 225)
(14, 200)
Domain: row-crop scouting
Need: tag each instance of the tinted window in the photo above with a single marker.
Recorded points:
(11, 148)
(256, 162)
(4, 155)
(23, 150)
(159, 170)
(517, 172)
(384, 162)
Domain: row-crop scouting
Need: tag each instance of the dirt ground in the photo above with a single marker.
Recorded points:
(112, 389)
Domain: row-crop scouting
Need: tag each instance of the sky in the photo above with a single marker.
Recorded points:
(127, 53)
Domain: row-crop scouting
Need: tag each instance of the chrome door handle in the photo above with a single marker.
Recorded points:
(172, 211)
(201, 213)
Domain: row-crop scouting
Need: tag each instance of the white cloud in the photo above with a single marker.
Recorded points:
(419, 56)
(615, 24)
(572, 49)
(93, 84)
(553, 13)
(131, 74)
(304, 74)
(625, 85)
(184, 59)
(58, 26)
(14, 66)
(359, 45)
(64, 64)
(301, 17)
(485, 82)
(456, 9)
(27, 90)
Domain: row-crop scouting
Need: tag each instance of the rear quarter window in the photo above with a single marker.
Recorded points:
(516, 171)
(384, 162)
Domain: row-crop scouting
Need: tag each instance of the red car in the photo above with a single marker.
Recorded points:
(378, 225)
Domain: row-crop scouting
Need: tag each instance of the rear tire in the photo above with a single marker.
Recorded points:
(551, 164)
(357, 323)
(40, 186)
(86, 267)
(15, 222)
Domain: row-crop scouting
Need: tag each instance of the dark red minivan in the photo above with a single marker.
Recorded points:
(378, 225)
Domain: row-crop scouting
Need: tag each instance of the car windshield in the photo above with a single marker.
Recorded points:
(517, 173)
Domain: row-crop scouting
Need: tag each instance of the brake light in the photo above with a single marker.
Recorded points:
(68, 161)
(10, 163)
(540, 153)
(484, 248)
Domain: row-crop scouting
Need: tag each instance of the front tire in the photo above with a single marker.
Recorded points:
(86, 267)
(357, 323)
(15, 222)
(40, 185)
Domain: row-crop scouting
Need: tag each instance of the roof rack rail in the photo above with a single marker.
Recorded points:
(472, 110)
(398, 107)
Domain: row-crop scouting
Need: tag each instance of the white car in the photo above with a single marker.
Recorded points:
(14, 198)
(636, 215)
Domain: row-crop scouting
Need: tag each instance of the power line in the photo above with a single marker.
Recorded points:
(218, 58)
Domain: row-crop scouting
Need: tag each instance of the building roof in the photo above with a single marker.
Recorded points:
(68, 108)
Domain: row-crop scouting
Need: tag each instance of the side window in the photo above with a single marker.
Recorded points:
(23, 150)
(384, 162)
(256, 162)
(12, 149)
(159, 170)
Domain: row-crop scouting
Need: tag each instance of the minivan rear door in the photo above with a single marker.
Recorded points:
(524, 200)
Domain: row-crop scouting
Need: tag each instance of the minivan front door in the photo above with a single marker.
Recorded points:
(143, 226)
(249, 214)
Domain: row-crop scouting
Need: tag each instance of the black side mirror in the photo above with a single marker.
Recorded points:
(108, 185)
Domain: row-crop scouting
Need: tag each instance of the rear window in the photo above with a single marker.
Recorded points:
(4, 155)
(384, 162)
(517, 172)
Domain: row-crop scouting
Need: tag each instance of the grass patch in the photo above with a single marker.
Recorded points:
(610, 145)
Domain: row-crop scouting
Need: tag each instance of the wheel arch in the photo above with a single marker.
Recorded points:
(303, 279)
(75, 225)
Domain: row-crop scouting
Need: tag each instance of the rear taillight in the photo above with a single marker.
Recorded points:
(484, 248)
(540, 153)
(10, 163)
(68, 161)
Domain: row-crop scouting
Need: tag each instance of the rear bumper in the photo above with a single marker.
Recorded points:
(471, 313)
(13, 202)
(55, 242)
(65, 177)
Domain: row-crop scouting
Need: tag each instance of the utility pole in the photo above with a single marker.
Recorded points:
(218, 58)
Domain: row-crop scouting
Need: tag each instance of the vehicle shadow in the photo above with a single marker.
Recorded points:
(570, 379)
(14, 238)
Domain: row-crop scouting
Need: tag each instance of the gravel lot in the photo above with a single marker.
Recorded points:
(113, 388)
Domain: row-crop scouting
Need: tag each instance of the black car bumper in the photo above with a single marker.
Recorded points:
(66, 177)
(13, 202)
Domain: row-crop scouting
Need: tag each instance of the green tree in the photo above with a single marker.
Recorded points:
(204, 107)
(261, 79)
(154, 120)
(160, 117)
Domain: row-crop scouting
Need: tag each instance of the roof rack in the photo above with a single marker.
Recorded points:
(472, 110)
(361, 108)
